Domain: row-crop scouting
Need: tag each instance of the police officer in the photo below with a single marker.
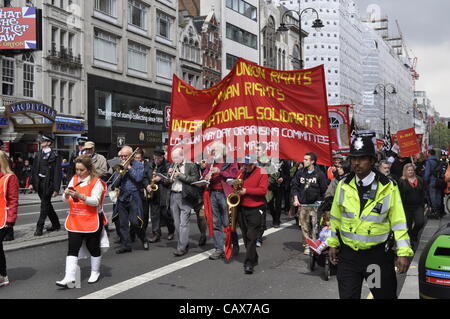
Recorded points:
(367, 217)
(46, 180)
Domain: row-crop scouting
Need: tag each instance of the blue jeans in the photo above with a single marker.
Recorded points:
(220, 217)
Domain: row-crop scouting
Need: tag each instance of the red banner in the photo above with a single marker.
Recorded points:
(339, 128)
(407, 141)
(18, 28)
(252, 110)
(380, 144)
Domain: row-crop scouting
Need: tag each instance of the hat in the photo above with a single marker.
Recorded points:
(250, 159)
(159, 152)
(88, 145)
(45, 138)
(363, 144)
(81, 140)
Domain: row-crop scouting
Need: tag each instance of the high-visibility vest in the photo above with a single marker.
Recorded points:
(83, 218)
(380, 215)
(3, 203)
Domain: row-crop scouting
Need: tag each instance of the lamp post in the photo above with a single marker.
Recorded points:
(317, 24)
(385, 88)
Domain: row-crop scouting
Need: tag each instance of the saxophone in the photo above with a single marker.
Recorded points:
(153, 186)
(233, 201)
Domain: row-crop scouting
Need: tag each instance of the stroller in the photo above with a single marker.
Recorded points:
(321, 259)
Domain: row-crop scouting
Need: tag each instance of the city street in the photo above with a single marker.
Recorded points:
(282, 271)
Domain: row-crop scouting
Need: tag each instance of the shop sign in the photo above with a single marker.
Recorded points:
(4, 122)
(31, 107)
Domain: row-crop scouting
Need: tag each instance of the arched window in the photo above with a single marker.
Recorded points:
(28, 75)
(269, 49)
(283, 60)
(296, 57)
(197, 51)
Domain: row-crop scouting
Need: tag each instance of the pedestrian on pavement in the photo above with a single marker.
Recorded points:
(75, 154)
(85, 194)
(27, 174)
(412, 191)
(217, 173)
(431, 180)
(310, 185)
(99, 161)
(159, 200)
(252, 205)
(366, 216)
(183, 197)
(46, 181)
(129, 209)
(9, 202)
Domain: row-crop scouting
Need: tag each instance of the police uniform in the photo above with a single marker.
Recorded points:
(364, 216)
(46, 179)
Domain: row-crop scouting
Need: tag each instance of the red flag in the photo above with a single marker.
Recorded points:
(228, 246)
(208, 212)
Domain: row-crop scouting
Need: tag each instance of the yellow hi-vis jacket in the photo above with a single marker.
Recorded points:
(381, 215)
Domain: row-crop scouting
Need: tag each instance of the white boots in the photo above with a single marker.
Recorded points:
(95, 269)
(71, 269)
(69, 280)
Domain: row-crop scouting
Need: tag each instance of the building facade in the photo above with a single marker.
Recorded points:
(190, 53)
(50, 80)
(240, 24)
(130, 56)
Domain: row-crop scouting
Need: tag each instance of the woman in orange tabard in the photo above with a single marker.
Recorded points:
(85, 194)
(9, 201)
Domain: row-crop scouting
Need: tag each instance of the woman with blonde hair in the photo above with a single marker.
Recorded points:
(9, 202)
(85, 194)
(412, 191)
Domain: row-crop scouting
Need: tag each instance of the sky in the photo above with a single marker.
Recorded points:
(426, 28)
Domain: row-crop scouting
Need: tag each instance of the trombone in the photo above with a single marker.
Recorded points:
(121, 170)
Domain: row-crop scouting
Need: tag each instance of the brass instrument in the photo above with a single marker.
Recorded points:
(233, 201)
(175, 170)
(153, 186)
(121, 170)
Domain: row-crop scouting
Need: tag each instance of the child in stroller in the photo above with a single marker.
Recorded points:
(320, 244)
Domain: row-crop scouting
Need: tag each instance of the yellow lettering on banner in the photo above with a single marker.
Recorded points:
(228, 93)
(257, 89)
(272, 114)
(185, 126)
(250, 70)
(295, 78)
(187, 90)
(233, 114)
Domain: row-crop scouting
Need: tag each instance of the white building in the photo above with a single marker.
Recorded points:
(337, 46)
(52, 78)
(240, 25)
(383, 65)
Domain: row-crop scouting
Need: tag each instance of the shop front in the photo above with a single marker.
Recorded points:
(23, 122)
(121, 113)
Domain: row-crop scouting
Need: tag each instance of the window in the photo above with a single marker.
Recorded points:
(54, 88)
(105, 47)
(163, 65)
(71, 88)
(8, 75)
(62, 91)
(243, 8)
(106, 6)
(137, 14)
(137, 57)
(164, 23)
(241, 36)
(28, 75)
(231, 60)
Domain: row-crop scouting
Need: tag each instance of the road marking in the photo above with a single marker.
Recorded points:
(154, 274)
(57, 210)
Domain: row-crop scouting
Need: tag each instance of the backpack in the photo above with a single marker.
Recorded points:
(439, 173)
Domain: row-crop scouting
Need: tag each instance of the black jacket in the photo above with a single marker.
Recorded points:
(52, 180)
(309, 188)
(162, 195)
(189, 192)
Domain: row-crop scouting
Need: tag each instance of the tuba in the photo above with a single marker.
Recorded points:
(233, 201)
(153, 186)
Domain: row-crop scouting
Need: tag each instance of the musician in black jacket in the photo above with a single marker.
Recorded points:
(46, 180)
(159, 210)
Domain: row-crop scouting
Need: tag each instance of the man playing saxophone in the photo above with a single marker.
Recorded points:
(129, 208)
(218, 173)
(158, 199)
(251, 207)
